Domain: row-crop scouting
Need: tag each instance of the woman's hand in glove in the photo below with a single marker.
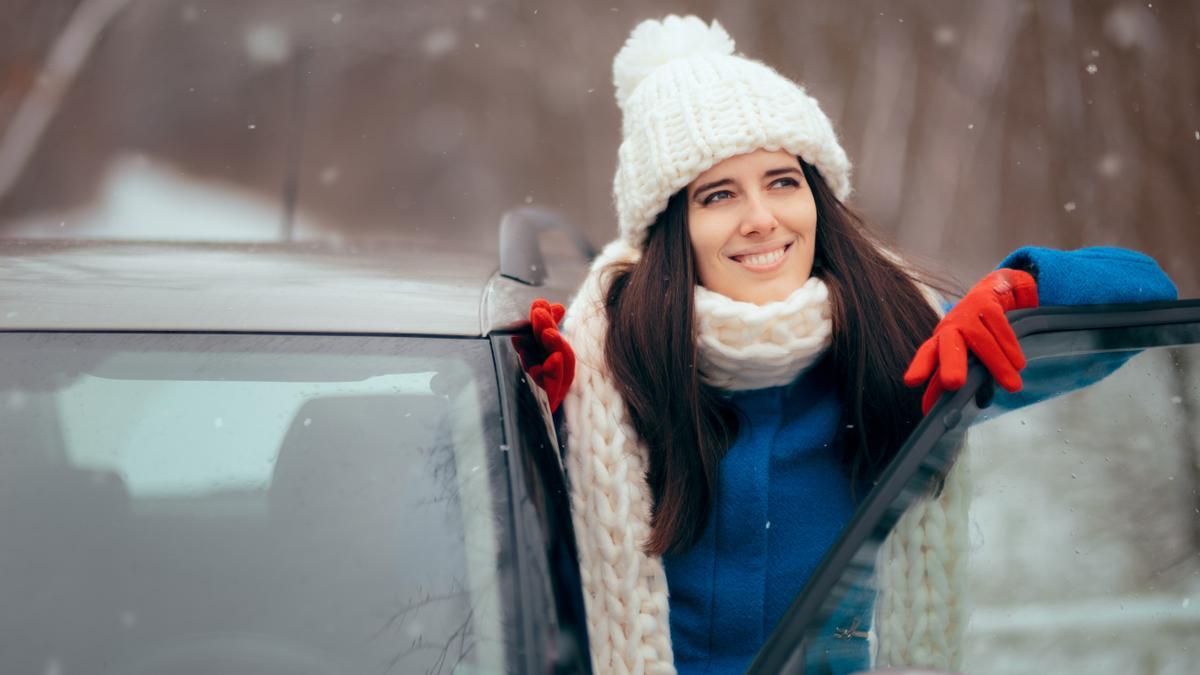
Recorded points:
(977, 323)
(545, 355)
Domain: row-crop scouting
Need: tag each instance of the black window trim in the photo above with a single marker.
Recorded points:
(561, 647)
(1059, 331)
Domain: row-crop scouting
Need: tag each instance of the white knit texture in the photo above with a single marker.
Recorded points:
(921, 610)
(686, 109)
(653, 43)
(624, 590)
(747, 346)
(923, 606)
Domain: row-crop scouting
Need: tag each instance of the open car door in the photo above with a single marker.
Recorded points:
(1084, 516)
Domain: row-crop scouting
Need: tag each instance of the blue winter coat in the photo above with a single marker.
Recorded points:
(783, 497)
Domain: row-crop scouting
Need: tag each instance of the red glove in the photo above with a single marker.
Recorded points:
(976, 322)
(546, 356)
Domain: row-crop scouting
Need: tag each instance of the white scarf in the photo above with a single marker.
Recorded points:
(919, 617)
(746, 346)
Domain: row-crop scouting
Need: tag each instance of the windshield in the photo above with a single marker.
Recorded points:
(251, 504)
(1058, 534)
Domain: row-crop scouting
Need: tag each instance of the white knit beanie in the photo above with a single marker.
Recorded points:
(689, 102)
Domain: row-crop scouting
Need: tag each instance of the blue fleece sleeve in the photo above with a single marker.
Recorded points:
(1093, 276)
(1088, 276)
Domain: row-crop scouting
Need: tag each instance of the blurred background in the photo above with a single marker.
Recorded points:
(974, 127)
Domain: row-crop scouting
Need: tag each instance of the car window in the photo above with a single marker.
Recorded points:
(256, 504)
(1085, 554)
(1079, 533)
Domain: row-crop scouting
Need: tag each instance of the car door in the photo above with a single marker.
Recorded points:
(1083, 537)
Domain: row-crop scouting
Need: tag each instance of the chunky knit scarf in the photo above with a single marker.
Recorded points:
(746, 346)
(920, 615)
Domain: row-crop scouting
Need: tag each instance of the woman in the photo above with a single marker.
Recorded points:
(740, 377)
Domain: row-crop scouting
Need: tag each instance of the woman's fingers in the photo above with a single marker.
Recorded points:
(1002, 330)
(923, 364)
(1024, 289)
(552, 340)
(542, 320)
(952, 359)
(932, 393)
(987, 349)
(552, 376)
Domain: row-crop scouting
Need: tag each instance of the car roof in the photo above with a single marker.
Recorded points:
(394, 287)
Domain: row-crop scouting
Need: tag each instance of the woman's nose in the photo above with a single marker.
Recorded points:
(757, 217)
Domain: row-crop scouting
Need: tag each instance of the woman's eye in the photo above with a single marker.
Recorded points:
(786, 182)
(718, 196)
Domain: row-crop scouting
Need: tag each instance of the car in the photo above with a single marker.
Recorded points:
(326, 458)
(282, 458)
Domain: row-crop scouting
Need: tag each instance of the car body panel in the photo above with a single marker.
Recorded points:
(420, 288)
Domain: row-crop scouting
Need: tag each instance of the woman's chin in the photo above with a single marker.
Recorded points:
(764, 293)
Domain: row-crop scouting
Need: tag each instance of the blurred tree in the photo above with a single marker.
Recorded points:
(975, 128)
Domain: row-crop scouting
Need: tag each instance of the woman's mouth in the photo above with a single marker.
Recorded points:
(764, 261)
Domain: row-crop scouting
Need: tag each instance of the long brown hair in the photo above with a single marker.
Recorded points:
(879, 318)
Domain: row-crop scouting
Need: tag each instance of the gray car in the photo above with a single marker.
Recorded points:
(282, 458)
(320, 459)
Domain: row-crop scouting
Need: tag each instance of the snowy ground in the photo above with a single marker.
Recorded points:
(140, 198)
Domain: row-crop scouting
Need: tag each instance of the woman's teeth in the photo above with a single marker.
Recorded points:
(760, 259)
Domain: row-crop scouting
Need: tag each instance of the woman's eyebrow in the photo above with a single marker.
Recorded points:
(709, 186)
(781, 171)
(729, 181)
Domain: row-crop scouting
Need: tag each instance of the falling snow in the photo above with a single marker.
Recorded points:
(439, 42)
(267, 44)
(945, 36)
(1109, 166)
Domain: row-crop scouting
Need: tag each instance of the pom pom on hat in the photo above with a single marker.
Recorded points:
(653, 43)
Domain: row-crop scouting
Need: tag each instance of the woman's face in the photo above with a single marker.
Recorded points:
(753, 224)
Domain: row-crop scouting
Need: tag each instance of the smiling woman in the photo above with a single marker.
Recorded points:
(742, 351)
